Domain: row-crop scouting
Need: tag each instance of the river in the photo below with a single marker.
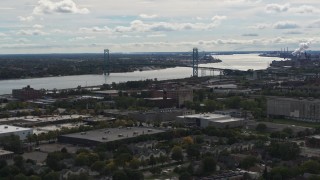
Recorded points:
(237, 61)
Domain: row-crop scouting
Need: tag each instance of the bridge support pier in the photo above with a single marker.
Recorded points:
(195, 62)
(106, 62)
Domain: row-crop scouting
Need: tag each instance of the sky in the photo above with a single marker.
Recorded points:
(89, 26)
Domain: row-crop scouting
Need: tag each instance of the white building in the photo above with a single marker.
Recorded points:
(6, 130)
(209, 119)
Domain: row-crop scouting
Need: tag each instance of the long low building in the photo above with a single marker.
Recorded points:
(210, 119)
(6, 130)
(294, 108)
(96, 137)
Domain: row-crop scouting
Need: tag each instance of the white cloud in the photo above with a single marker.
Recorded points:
(156, 35)
(218, 18)
(23, 40)
(293, 32)
(271, 8)
(37, 26)
(82, 38)
(104, 29)
(260, 26)
(146, 16)
(35, 32)
(314, 24)
(26, 19)
(140, 26)
(63, 6)
(250, 34)
(285, 25)
(301, 9)
(3, 34)
(304, 9)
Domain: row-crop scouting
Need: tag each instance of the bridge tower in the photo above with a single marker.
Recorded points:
(195, 62)
(106, 62)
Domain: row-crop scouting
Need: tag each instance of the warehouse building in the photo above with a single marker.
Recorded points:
(294, 108)
(6, 130)
(96, 137)
(27, 93)
(205, 120)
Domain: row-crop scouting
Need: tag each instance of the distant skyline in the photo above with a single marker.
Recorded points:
(89, 26)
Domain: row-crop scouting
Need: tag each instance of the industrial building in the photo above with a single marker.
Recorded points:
(161, 115)
(4, 155)
(27, 93)
(6, 130)
(96, 137)
(205, 120)
(179, 95)
(294, 108)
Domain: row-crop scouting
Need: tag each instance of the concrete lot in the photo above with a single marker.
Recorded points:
(47, 148)
(37, 156)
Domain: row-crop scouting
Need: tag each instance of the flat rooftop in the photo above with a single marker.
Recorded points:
(107, 92)
(11, 129)
(113, 134)
(294, 99)
(43, 119)
(4, 152)
(208, 116)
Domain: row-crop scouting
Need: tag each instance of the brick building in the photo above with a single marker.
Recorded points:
(27, 93)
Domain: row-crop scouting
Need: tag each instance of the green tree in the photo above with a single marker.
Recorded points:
(310, 166)
(261, 127)
(248, 162)
(152, 161)
(209, 164)
(120, 175)
(11, 143)
(52, 176)
(284, 151)
(20, 177)
(185, 176)
(18, 161)
(134, 163)
(98, 166)
(193, 151)
(176, 153)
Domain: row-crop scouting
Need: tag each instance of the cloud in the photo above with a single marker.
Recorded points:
(35, 32)
(140, 26)
(250, 34)
(3, 34)
(23, 40)
(293, 32)
(304, 9)
(37, 26)
(156, 35)
(96, 29)
(277, 8)
(314, 24)
(285, 25)
(82, 38)
(260, 26)
(63, 6)
(146, 16)
(26, 19)
(218, 18)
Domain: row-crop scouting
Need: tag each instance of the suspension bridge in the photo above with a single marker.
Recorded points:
(194, 64)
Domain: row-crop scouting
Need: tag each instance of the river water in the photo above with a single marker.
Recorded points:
(237, 61)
